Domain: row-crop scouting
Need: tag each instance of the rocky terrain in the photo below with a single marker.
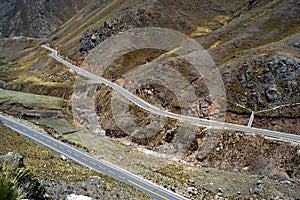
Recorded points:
(267, 81)
(255, 44)
(268, 85)
(247, 164)
(117, 16)
(35, 19)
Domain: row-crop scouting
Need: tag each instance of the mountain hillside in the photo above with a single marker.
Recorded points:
(35, 18)
(254, 43)
(102, 20)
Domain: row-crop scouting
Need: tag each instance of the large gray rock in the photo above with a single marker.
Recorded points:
(110, 23)
(12, 158)
(272, 94)
(78, 197)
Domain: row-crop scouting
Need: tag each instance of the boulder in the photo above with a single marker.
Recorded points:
(272, 94)
(12, 158)
(63, 157)
(110, 23)
(78, 197)
(296, 158)
(296, 45)
(2, 84)
(279, 174)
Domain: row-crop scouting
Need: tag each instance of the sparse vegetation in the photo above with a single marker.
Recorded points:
(234, 32)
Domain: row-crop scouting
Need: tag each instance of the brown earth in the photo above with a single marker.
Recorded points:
(255, 44)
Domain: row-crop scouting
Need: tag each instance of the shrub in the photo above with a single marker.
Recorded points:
(21, 181)
(9, 189)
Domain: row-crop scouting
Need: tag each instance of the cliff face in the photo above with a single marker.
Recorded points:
(35, 18)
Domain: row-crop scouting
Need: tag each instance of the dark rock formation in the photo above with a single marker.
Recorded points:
(265, 81)
(130, 19)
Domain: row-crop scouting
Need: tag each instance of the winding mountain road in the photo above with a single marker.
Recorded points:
(193, 120)
(113, 171)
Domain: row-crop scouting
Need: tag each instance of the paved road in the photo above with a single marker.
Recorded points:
(101, 166)
(193, 120)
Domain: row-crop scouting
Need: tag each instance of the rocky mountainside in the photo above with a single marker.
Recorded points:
(255, 44)
(36, 19)
(259, 59)
(102, 19)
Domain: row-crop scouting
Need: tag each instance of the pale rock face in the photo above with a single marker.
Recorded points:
(78, 197)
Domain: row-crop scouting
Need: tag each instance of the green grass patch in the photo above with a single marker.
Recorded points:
(60, 125)
(32, 100)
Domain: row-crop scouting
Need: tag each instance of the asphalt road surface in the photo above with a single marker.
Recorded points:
(193, 120)
(85, 159)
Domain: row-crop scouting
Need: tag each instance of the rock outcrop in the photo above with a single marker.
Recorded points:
(13, 159)
(265, 82)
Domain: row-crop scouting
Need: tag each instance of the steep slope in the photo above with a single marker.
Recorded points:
(243, 37)
(254, 43)
(35, 18)
(123, 15)
(258, 55)
(37, 70)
